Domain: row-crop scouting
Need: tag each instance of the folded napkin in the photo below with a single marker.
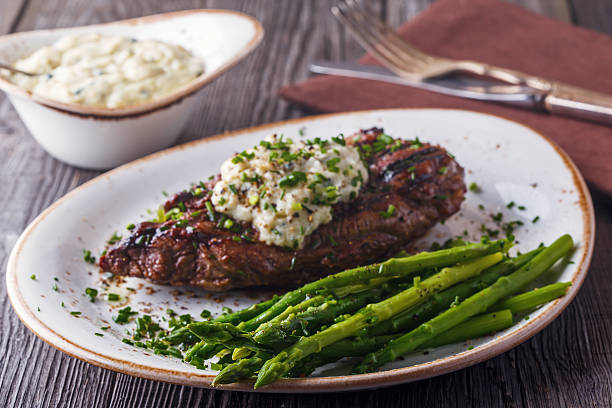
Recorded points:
(502, 34)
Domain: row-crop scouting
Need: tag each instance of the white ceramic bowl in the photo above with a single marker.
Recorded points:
(100, 138)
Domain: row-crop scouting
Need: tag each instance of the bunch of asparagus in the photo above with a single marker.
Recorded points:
(381, 311)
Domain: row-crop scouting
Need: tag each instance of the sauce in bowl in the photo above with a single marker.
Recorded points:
(107, 71)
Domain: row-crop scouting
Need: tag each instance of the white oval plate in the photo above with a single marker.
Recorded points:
(509, 161)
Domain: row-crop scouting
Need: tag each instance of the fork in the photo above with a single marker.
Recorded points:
(408, 62)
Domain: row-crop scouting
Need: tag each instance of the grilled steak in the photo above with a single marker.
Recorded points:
(422, 182)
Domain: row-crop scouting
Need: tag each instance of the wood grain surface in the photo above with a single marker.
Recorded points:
(569, 364)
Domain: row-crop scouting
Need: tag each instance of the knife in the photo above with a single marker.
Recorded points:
(562, 99)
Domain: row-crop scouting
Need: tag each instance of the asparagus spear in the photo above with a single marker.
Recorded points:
(359, 287)
(274, 333)
(224, 333)
(285, 360)
(202, 351)
(477, 303)
(532, 299)
(472, 328)
(313, 315)
(502, 317)
(392, 267)
(411, 318)
(230, 336)
(352, 347)
(241, 369)
(358, 346)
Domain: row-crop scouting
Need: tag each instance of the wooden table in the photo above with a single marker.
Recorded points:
(568, 364)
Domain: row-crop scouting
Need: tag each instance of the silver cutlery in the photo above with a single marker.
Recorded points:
(426, 71)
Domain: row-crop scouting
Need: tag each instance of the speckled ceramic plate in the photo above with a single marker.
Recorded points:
(509, 161)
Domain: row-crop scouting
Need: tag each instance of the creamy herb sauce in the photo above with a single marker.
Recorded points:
(107, 71)
(286, 188)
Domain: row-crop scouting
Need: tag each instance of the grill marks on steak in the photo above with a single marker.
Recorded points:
(423, 182)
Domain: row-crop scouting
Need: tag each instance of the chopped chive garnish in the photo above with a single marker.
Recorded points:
(536, 219)
(99, 334)
(510, 204)
(332, 165)
(211, 210)
(253, 199)
(474, 188)
(124, 315)
(130, 227)
(92, 293)
(205, 314)
(87, 257)
(54, 287)
(33, 277)
(293, 178)
(522, 207)
(389, 213)
(114, 238)
(112, 297)
(75, 313)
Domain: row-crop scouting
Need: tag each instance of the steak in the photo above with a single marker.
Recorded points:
(421, 181)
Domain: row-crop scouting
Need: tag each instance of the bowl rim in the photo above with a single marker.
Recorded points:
(337, 383)
(150, 106)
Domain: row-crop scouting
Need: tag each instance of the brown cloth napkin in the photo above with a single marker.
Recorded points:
(502, 34)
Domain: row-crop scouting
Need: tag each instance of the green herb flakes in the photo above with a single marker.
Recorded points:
(124, 315)
(87, 257)
(389, 212)
(92, 293)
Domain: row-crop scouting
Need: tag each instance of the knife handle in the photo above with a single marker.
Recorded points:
(579, 103)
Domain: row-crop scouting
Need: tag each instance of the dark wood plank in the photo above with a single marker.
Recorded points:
(559, 9)
(568, 364)
(593, 14)
(11, 14)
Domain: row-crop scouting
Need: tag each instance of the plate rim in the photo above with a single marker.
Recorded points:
(312, 384)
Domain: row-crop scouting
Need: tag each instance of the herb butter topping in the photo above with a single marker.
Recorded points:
(286, 188)
(109, 71)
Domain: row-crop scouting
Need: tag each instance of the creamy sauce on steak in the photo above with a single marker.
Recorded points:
(286, 188)
(109, 71)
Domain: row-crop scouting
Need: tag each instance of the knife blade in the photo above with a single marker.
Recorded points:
(558, 99)
(461, 86)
